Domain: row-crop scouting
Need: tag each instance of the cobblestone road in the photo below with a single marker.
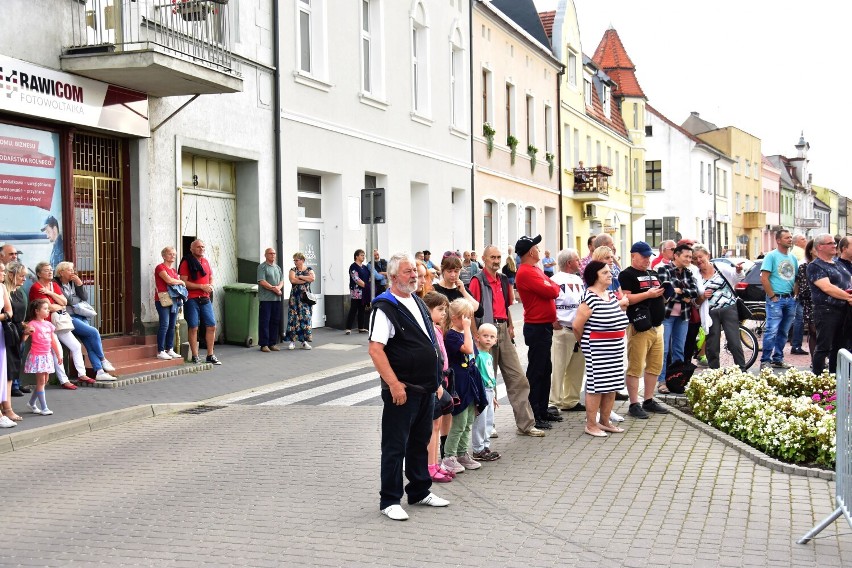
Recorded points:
(269, 485)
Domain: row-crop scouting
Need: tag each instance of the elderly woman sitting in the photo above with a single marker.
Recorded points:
(72, 288)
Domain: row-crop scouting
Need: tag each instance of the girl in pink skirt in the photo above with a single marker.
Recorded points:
(39, 361)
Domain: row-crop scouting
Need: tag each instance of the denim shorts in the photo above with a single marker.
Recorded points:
(192, 312)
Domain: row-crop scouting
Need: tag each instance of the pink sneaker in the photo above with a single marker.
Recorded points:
(437, 475)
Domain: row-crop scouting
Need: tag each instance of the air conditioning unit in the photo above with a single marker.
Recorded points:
(590, 211)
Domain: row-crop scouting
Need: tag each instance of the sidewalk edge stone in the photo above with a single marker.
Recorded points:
(755, 455)
(20, 440)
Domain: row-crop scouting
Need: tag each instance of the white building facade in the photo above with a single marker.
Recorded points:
(376, 94)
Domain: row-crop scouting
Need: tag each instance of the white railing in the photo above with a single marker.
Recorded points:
(196, 30)
(843, 468)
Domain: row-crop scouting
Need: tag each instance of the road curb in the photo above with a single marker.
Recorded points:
(54, 432)
(187, 369)
(753, 454)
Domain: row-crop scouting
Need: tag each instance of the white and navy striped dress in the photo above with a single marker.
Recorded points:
(603, 344)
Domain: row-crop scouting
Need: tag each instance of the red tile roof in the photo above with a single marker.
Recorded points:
(612, 58)
(596, 112)
(547, 21)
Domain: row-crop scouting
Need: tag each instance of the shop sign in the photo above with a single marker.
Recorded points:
(37, 91)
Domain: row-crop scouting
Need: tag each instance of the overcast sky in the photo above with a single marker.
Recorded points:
(771, 68)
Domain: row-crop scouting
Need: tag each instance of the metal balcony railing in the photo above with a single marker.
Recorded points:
(592, 179)
(195, 30)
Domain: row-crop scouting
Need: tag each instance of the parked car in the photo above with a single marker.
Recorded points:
(750, 289)
(734, 260)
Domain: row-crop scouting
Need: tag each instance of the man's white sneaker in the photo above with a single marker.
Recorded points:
(107, 366)
(291, 346)
(395, 512)
(171, 353)
(102, 375)
(433, 500)
(306, 345)
(164, 356)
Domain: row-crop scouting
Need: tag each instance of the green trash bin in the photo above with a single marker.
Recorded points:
(241, 313)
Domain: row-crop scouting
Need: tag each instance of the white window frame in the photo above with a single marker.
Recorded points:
(607, 105)
(488, 94)
(421, 103)
(372, 50)
(511, 111)
(316, 73)
(530, 124)
(548, 128)
(572, 68)
(458, 81)
(587, 92)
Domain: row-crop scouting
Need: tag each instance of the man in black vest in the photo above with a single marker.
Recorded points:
(491, 289)
(405, 351)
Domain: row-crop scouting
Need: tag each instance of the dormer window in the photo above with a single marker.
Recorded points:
(607, 106)
(587, 92)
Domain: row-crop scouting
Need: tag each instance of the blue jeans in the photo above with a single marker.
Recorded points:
(166, 331)
(674, 339)
(779, 316)
(90, 337)
(798, 330)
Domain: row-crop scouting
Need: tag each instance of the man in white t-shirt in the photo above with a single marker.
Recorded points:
(405, 352)
(569, 364)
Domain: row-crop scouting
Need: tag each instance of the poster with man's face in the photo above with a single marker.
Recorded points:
(31, 194)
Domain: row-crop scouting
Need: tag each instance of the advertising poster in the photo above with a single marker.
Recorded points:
(31, 194)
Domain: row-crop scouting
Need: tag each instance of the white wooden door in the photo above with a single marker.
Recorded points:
(212, 217)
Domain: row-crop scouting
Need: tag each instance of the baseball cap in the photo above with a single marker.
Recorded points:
(525, 243)
(642, 248)
(50, 222)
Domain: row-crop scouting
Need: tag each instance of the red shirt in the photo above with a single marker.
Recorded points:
(184, 273)
(658, 260)
(498, 303)
(538, 294)
(35, 291)
(159, 282)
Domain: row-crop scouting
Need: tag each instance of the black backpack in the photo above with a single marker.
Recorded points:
(678, 375)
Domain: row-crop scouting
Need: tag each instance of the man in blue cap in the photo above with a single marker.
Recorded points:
(645, 333)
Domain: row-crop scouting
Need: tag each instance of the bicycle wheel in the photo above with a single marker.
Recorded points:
(757, 323)
(750, 346)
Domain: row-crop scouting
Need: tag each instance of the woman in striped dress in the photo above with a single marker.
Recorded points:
(599, 328)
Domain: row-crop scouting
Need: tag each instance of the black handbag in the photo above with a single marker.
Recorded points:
(11, 334)
(307, 297)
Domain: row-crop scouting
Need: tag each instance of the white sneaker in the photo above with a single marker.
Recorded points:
(46, 412)
(34, 408)
(433, 500)
(164, 356)
(171, 353)
(293, 346)
(107, 366)
(306, 346)
(613, 417)
(6, 422)
(452, 464)
(494, 433)
(104, 376)
(395, 512)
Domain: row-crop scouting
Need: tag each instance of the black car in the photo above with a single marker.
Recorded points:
(750, 289)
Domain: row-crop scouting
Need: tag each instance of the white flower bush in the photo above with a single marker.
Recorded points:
(773, 413)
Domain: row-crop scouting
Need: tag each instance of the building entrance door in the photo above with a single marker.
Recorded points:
(99, 255)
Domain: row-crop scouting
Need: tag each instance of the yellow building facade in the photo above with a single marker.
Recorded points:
(602, 124)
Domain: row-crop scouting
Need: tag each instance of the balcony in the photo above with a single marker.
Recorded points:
(754, 220)
(591, 184)
(157, 47)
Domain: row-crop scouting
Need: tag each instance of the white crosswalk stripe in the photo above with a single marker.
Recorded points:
(321, 390)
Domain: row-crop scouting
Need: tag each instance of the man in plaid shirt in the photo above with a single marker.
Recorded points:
(681, 291)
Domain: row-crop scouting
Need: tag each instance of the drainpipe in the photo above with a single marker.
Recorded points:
(279, 209)
(472, 163)
(559, 156)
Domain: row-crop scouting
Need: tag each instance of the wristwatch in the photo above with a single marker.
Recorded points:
(773, 296)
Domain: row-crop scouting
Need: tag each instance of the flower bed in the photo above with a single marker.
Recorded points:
(776, 414)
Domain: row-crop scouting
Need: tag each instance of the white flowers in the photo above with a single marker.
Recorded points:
(773, 413)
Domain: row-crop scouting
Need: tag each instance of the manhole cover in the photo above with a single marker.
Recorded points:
(202, 409)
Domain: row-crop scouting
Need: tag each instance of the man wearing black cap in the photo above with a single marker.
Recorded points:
(538, 294)
(51, 231)
(645, 333)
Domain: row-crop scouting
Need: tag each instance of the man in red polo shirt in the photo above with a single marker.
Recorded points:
(196, 272)
(494, 293)
(538, 294)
